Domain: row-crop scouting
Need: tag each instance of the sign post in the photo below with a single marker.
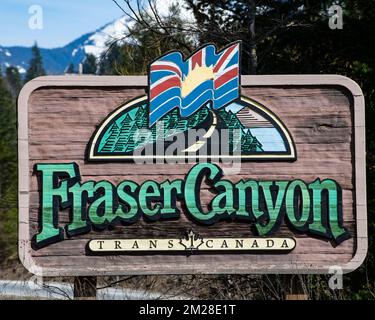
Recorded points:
(193, 169)
(294, 289)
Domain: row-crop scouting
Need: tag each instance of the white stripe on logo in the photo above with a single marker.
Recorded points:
(227, 60)
(164, 79)
(156, 109)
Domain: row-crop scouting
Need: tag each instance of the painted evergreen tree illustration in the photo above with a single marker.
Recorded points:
(250, 143)
(182, 125)
(174, 121)
(233, 122)
(126, 124)
(141, 118)
(141, 122)
(130, 142)
(166, 123)
(192, 121)
(223, 115)
(257, 146)
(112, 138)
(153, 133)
(201, 115)
(247, 141)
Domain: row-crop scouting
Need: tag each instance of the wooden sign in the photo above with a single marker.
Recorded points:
(274, 183)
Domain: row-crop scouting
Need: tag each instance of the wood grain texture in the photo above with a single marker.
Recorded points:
(320, 118)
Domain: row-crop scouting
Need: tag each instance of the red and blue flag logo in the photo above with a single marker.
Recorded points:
(207, 76)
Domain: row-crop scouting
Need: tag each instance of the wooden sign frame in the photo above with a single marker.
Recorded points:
(193, 265)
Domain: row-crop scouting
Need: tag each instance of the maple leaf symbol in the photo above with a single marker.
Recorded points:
(192, 241)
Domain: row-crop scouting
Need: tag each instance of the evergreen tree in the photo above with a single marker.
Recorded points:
(192, 121)
(13, 80)
(201, 115)
(123, 137)
(8, 173)
(70, 69)
(89, 64)
(230, 119)
(220, 20)
(154, 132)
(130, 143)
(7, 129)
(148, 42)
(35, 65)
(182, 124)
(166, 124)
(249, 143)
(174, 117)
(112, 138)
(257, 146)
(141, 118)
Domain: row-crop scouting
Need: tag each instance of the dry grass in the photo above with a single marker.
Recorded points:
(250, 287)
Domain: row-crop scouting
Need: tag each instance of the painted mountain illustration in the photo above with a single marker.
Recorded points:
(121, 136)
(250, 130)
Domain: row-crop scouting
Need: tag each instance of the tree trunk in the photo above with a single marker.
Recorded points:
(293, 289)
(253, 60)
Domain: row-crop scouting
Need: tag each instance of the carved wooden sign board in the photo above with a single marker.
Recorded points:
(192, 169)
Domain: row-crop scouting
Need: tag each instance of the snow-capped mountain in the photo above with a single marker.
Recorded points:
(56, 60)
(98, 41)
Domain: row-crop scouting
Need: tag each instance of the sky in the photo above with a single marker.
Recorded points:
(63, 20)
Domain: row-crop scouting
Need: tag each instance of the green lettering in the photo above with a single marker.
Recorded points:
(53, 190)
(128, 206)
(293, 203)
(149, 192)
(273, 209)
(78, 211)
(170, 191)
(193, 187)
(101, 210)
(337, 231)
